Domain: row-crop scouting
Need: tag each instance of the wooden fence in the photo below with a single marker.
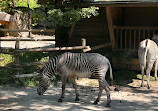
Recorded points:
(16, 52)
(129, 37)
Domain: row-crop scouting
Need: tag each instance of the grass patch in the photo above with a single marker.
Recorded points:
(87, 82)
(6, 76)
(139, 76)
(6, 59)
(92, 83)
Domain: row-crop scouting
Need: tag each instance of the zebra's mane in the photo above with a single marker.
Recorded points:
(50, 68)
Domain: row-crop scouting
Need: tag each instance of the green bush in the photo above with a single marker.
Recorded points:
(7, 76)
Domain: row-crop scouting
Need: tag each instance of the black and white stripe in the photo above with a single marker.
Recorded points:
(81, 65)
(78, 62)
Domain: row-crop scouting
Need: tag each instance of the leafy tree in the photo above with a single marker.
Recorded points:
(5, 5)
(24, 3)
(70, 16)
(63, 16)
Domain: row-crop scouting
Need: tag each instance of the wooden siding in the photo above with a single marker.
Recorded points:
(140, 16)
(94, 30)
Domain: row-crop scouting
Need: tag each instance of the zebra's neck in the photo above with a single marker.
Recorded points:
(50, 68)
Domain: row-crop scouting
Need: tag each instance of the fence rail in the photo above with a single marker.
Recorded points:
(17, 66)
(28, 30)
(28, 39)
(129, 37)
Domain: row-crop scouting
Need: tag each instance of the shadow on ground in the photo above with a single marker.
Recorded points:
(128, 98)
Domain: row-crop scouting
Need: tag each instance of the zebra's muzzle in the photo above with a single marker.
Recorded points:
(40, 91)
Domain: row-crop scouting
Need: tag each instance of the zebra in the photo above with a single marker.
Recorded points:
(148, 53)
(80, 65)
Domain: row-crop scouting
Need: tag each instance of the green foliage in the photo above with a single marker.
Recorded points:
(5, 5)
(70, 16)
(6, 76)
(31, 57)
(6, 59)
(56, 16)
(23, 3)
(37, 15)
(48, 4)
(88, 12)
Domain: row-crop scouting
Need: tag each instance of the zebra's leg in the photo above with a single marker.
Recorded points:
(104, 85)
(107, 89)
(150, 65)
(99, 94)
(156, 66)
(75, 87)
(142, 72)
(64, 81)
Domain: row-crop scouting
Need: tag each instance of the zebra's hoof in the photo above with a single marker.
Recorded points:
(77, 99)
(95, 102)
(148, 87)
(60, 100)
(107, 105)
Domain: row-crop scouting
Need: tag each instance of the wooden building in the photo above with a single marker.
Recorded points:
(122, 23)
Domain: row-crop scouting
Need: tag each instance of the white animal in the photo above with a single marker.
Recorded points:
(148, 54)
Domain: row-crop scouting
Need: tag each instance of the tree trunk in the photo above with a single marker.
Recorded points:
(61, 32)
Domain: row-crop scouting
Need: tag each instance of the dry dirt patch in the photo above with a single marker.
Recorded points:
(127, 99)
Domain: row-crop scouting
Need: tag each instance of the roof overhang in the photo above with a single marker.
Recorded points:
(122, 3)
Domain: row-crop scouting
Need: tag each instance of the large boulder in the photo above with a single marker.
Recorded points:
(19, 21)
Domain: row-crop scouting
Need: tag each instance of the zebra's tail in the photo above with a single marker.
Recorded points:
(111, 75)
(145, 54)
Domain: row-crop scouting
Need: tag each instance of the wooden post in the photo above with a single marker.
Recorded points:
(16, 56)
(71, 30)
(83, 42)
(130, 39)
(110, 25)
(134, 40)
(121, 33)
(29, 18)
(125, 39)
(85, 48)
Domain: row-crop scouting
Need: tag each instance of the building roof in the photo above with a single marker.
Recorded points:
(117, 3)
(120, 0)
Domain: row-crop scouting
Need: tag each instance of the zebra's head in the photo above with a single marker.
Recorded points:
(43, 85)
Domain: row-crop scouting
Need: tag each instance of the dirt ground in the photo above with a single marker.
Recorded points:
(29, 44)
(128, 98)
